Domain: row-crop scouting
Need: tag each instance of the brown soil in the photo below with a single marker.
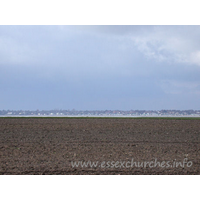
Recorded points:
(49, 145)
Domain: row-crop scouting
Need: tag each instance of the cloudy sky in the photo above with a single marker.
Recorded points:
(99, 67)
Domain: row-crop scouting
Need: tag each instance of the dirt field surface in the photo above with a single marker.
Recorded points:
(117, 146)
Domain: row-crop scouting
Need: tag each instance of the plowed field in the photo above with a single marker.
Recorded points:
(52, 145)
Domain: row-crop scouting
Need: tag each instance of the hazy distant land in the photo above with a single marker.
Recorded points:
(100, 113)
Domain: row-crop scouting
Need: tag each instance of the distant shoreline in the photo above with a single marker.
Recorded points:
(101, 117)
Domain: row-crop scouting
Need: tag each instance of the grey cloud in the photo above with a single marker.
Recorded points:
(99, 67)
(177, 44)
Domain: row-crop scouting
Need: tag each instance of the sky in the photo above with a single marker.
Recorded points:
(99, 67)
